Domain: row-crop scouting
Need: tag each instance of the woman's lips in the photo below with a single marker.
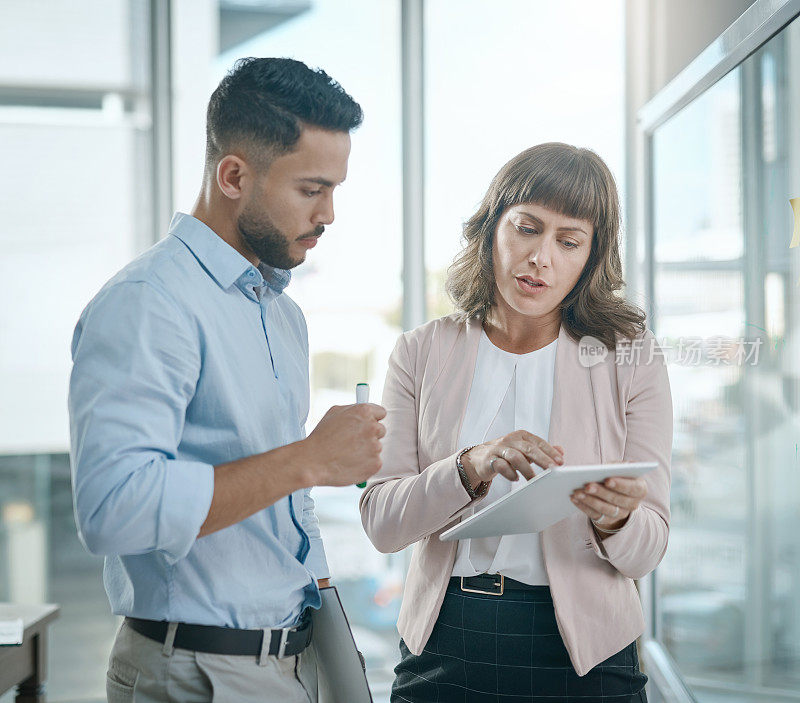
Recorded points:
(529, 288)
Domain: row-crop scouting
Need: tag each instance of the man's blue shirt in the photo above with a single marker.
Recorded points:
(191, 357)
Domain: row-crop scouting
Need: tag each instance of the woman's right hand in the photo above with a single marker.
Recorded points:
(515, 452)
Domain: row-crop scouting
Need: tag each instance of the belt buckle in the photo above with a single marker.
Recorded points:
(486, 593)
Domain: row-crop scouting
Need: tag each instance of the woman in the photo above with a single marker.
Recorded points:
(498, 390)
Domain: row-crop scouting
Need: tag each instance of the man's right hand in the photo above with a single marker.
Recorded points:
(345, 448)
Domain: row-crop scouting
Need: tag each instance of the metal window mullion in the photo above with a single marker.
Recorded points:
(644, 262)
(161, 91)
(757, 616)
(762, 20)
(413, 109)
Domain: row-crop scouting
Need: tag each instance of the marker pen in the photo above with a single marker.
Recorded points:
(362, 396)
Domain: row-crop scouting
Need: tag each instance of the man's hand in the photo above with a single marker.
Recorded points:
(324, 583)
(345, 446)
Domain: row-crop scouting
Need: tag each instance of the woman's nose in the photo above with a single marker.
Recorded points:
(540, 255)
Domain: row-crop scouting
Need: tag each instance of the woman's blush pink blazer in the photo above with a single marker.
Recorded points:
(618, 409)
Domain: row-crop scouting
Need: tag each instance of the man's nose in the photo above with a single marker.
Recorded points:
(324, 213)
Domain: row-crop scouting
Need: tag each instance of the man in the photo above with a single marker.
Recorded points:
(188, 398)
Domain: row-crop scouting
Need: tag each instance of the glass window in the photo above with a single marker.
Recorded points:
(42, 561)
(350, 287)
(726, 300)
(75, 133)
(74, 211)
(501, 77)
(33, 48)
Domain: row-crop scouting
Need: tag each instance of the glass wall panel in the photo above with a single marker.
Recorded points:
(726, 301)
(503, 76)
(350, 286)
(75, 134)
(57, 43)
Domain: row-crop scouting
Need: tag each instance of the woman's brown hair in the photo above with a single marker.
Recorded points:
(574, 182)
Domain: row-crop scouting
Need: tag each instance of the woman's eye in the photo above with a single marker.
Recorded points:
(311, 193)
(526, 230)
(569, 244)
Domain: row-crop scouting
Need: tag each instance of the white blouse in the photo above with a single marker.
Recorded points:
(509, 392)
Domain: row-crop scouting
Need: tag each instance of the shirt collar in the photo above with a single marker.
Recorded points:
(226, 265)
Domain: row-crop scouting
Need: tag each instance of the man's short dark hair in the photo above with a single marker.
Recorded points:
(261, 106)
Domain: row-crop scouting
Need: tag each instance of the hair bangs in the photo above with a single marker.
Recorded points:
(561, 181)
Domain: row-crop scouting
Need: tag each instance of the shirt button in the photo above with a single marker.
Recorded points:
(250, 273)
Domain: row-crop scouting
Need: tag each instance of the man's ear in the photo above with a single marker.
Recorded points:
(233, 175)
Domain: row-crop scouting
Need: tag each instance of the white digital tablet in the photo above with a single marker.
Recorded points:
(540, 502)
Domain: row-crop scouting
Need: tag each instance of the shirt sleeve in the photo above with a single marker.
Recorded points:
(136, 361)
(316, 561)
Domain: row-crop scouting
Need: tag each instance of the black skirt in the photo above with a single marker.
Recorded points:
(485, 648)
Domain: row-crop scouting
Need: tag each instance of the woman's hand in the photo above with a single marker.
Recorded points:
(508, 455)
(610, 504)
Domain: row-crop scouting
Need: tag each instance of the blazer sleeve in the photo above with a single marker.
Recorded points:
(404, 502)
(641, 543)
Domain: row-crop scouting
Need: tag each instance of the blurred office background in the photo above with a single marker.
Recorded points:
(695, 107)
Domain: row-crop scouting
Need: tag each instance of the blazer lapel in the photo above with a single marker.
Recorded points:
(573, 417)
(444, 401)
(574, 426)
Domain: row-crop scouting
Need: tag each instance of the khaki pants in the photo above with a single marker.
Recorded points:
(143, 671)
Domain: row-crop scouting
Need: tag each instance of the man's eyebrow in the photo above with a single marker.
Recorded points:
(319, 181)
(560, 229)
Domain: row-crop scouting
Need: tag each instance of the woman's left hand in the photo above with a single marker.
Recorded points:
(610, 504)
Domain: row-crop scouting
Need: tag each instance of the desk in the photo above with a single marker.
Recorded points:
(25, 665)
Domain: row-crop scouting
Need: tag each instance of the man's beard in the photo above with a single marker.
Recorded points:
(267, 242)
